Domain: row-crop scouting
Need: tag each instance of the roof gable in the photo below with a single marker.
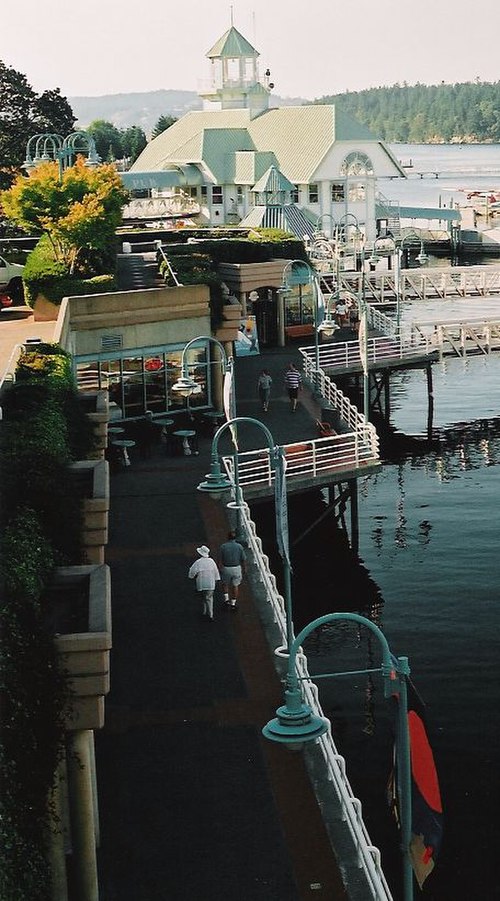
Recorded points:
(232, 45)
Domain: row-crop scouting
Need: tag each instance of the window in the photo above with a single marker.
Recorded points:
(203, 192)
(239, 194)
(295, 194)
(338, 192)
(313, 194)
(217, 197)
(193, 192)
(356, 163)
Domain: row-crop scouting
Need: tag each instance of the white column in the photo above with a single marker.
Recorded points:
(57, 856)
(82, 815)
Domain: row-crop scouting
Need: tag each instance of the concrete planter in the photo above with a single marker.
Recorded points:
(228, 329)
(96, 406)
(44, 310)
(92, 486)
(79, 601)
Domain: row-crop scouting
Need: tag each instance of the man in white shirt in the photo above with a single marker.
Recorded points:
(206, 573)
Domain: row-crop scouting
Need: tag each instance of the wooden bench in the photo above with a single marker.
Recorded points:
(299, 331)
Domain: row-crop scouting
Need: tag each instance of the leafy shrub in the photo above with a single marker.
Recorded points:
(44, 275)
(34, 697)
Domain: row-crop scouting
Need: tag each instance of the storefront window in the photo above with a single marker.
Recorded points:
(299, 306)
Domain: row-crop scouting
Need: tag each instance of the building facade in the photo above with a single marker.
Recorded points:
(217, 156)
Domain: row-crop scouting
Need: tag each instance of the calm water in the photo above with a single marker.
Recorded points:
(470, 166)
(430, 576)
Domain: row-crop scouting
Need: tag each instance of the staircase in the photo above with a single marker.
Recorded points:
(389, 212)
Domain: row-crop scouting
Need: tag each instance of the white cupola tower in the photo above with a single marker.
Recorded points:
(234, 81)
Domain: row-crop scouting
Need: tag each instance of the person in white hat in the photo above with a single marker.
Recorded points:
(206, 573)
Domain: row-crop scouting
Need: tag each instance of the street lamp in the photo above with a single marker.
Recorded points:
(295, 722)
(216, 482)
(46, 147)
(319, 232)
(185, 386)
(309, 278)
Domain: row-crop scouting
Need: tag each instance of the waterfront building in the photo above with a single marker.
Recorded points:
(221, 155)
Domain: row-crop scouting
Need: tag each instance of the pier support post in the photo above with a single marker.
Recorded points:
(353, 493)
(430, 401)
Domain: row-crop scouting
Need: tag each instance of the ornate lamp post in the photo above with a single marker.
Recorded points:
(216, 482)
(309, 276)
(185, 386)
(45, 147)
(295, 723)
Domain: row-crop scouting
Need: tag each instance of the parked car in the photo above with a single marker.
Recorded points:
(11, 283)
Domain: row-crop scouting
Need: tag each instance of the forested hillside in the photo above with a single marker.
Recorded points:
(426, 113)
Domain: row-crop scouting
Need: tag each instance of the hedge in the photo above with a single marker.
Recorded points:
(44, 275)
(41, 527)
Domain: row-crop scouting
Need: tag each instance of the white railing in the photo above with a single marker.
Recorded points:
(426, 283)
(311, 459)
(368, 856)
(344, 356)
(461, 337)
(9, 373)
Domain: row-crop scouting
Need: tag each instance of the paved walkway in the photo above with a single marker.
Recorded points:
(194, 804)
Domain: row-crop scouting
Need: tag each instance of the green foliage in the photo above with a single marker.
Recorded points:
(133, 142)
(275, 235)
(113, 143)
(79, 211)
(50, 278)
(162, 124)
(426, 113)
(44, 426)
(23, 114)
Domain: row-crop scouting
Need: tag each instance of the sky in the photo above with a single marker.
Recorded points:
(96, 47)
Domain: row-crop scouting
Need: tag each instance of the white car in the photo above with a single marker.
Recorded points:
(11, 275)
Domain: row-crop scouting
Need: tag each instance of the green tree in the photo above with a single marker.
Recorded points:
(23, 113)
(133, 142)
(108, 139)
(163, 123)
(78, 212)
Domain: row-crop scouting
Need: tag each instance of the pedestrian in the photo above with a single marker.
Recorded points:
(232, 562)
(293, 383)
(206, 573)
(264, 388)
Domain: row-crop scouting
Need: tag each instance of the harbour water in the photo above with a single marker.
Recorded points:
(429, 574)
(474, 167)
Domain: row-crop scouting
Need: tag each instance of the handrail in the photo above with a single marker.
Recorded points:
(159, 250)
(343, 356)
(9, 373)
(368, 856)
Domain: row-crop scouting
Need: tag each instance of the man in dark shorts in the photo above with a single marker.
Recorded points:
(232, 564)
(293, 383)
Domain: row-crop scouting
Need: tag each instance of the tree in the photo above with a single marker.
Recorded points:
(79, 211)
(22, 114)
(133, 142)
(108, 139)
(163, 123)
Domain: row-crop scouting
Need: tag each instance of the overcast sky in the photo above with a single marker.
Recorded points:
(93, 47)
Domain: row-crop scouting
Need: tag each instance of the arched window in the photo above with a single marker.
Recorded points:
(356, 164)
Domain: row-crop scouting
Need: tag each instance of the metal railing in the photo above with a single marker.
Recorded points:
(367, 855)
(426, 283)
(345, 356)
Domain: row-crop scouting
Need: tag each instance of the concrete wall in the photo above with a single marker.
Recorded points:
(140, 318)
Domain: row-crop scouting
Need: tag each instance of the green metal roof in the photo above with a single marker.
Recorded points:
(273, 182)
(298, 137)
(417, 212)
(231, 45)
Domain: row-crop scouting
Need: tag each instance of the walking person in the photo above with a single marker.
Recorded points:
(293, 383)
(232, 562)
(264, 383)
(206, 573)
